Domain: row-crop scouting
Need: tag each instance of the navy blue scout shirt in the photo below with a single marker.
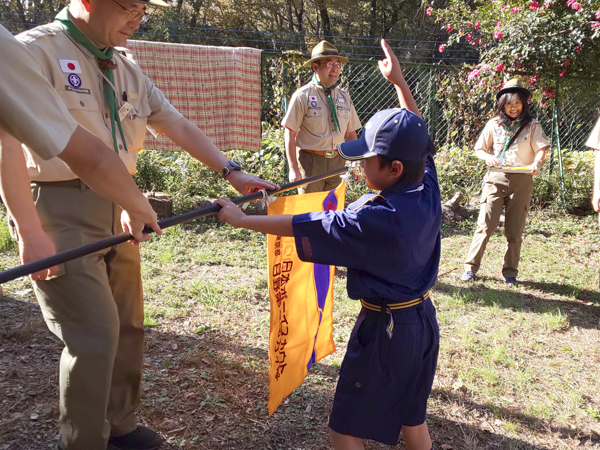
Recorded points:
(389, 242)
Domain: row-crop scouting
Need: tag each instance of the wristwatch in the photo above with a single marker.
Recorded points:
(231, 166)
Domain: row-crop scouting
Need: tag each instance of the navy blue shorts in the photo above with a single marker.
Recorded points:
(385, 383)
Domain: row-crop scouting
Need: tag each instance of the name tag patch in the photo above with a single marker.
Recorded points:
(77, 90)
(69, 66)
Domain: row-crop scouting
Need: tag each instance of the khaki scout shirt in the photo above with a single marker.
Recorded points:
(308, 114)
(30, 109)
(522, 152)
(75, 74)
(594, 140)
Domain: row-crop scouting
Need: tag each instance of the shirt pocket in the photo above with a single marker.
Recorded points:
(315, 120)
(79, 103)
(134, 123)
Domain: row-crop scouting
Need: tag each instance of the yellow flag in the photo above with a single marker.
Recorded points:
(301, 300)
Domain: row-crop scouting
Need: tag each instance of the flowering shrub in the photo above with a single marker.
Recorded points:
(539, 42)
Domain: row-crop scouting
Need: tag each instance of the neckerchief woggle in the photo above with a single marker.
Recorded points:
(109, 93)
(507, 130)
(328, 91)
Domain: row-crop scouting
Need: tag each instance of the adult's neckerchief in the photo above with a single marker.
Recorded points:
(510, 133)
(107, 69)
(328, 91)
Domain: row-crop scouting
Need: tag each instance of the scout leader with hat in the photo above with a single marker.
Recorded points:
(95, 303)
(390, 242)
(319, 117)
(512, 138)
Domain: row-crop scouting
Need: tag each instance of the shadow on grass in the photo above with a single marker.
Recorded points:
(487, 415)
(584, 314)
(208, 390)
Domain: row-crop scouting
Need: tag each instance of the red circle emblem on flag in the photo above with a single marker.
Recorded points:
(71, 66)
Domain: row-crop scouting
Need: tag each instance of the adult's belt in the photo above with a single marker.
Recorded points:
(325, 153)
(66, 183)
(393, 306)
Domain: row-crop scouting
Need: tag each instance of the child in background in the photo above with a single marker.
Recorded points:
(390, 243)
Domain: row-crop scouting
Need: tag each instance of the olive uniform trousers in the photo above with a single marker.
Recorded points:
(511, 192)
(95, 306)
(311, 164)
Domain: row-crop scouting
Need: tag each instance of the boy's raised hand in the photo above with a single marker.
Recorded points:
(229, 212)
(390, 67)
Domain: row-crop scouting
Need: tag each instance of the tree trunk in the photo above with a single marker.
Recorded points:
(325, 22)
(373, 18)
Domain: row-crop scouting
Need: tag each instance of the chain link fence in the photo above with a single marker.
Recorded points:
(567, 120)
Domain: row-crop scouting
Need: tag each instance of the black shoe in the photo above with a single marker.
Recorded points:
(512, 281)
(141, 438)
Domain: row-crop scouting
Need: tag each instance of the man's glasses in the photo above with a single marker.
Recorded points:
(134, 16)
(332, 64)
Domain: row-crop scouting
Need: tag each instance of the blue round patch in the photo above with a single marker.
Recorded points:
(313, 104)
(74, 80)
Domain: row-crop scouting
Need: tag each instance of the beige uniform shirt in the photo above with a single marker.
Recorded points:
(520, 153)
(76, 76)
(594, 140)
(30, 109)
(308, 114)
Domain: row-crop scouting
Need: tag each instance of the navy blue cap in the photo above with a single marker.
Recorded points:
(397, 133)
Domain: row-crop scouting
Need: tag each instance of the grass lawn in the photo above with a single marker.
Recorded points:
(518, 367)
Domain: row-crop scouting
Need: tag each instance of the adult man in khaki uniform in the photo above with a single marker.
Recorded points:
(95, 304)
(31, 111)
(319, 117)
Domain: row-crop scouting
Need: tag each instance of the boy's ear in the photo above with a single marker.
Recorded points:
(396, 169)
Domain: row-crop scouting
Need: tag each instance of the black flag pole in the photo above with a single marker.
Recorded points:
(78, 252)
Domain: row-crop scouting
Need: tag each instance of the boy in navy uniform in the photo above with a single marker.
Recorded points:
(390, 243)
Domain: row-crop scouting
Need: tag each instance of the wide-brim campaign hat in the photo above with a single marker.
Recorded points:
(514, 85)
(324, 50)
(160, 3)
(397, 133)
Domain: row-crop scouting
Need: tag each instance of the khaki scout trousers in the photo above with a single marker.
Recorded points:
(96, 308)
(510, 191)
(311, 164)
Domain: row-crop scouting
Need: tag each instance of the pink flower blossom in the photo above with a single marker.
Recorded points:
(468, 37)
(498, 35)
(578, 49)
(562, 74)
(566, 62)
(428, 11)
(499, 24)
(532, 79)
(574, 4)
(499, 67)
(551, 94)
(480, 84)
(547, 4)
(449, 28)
(596, 25)
(478, 23)
(485, 66)
(441, 48)
(534, 5)
(598, 15)
(515, 10)
(473, 74)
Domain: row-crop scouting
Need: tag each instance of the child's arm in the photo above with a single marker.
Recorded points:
(276, 225)
(390, 69)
